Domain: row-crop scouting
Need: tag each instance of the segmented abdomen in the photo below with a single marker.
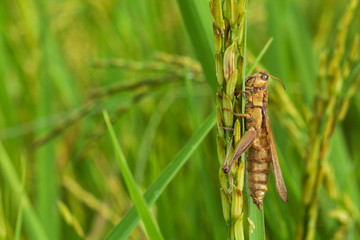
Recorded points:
(259, 159)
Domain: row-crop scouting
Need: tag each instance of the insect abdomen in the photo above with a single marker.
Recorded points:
(259, 159)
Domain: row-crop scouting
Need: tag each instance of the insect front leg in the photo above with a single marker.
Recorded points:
(238, 115)
(248, 95)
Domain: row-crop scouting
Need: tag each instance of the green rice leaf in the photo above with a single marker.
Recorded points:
(129, 222)
(32, 223)
(256, 222)
(141, 207)
(258, 58)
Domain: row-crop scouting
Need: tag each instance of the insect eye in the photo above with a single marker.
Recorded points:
(264, 77)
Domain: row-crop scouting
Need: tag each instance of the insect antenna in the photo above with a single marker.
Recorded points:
(278, 80)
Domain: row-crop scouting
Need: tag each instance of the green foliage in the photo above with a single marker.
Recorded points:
(35, 228)
(155, 79)
(151, 227)
(154, 191)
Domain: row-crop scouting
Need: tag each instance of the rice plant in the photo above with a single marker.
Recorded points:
(155, 67)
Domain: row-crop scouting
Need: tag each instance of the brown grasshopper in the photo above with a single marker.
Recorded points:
(258, 138)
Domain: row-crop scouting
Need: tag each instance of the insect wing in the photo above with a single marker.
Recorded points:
(279, 180)
(245, 142)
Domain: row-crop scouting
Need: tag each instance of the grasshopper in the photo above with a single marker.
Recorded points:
(259, 139)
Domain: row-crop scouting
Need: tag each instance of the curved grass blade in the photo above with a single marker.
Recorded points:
(31, 220)
(258, 58)
(19, 221)
(255, 217)
(19, 218)
(129, 222)
(140, 204)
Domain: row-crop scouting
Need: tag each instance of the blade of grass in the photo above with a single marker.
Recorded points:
(278, 50)
(141, 207)
(199, 38)
(45, 163)
(254, 215)
(7, 106)
(19, 221)
(257, 224)
(149, 135)
(46, 173)
(258, 58)
(32, 223)
(217, 227)
(129, 222)
(300, 43)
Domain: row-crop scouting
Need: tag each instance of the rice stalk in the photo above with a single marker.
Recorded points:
(96, 100)
(172, 67)
(326, 108)
(89, 200)
(70, 219)
(229, 22)
(163, 63)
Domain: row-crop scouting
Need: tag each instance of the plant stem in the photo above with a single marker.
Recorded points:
(229, 27)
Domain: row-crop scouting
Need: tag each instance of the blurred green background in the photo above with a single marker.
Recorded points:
(63, 62)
